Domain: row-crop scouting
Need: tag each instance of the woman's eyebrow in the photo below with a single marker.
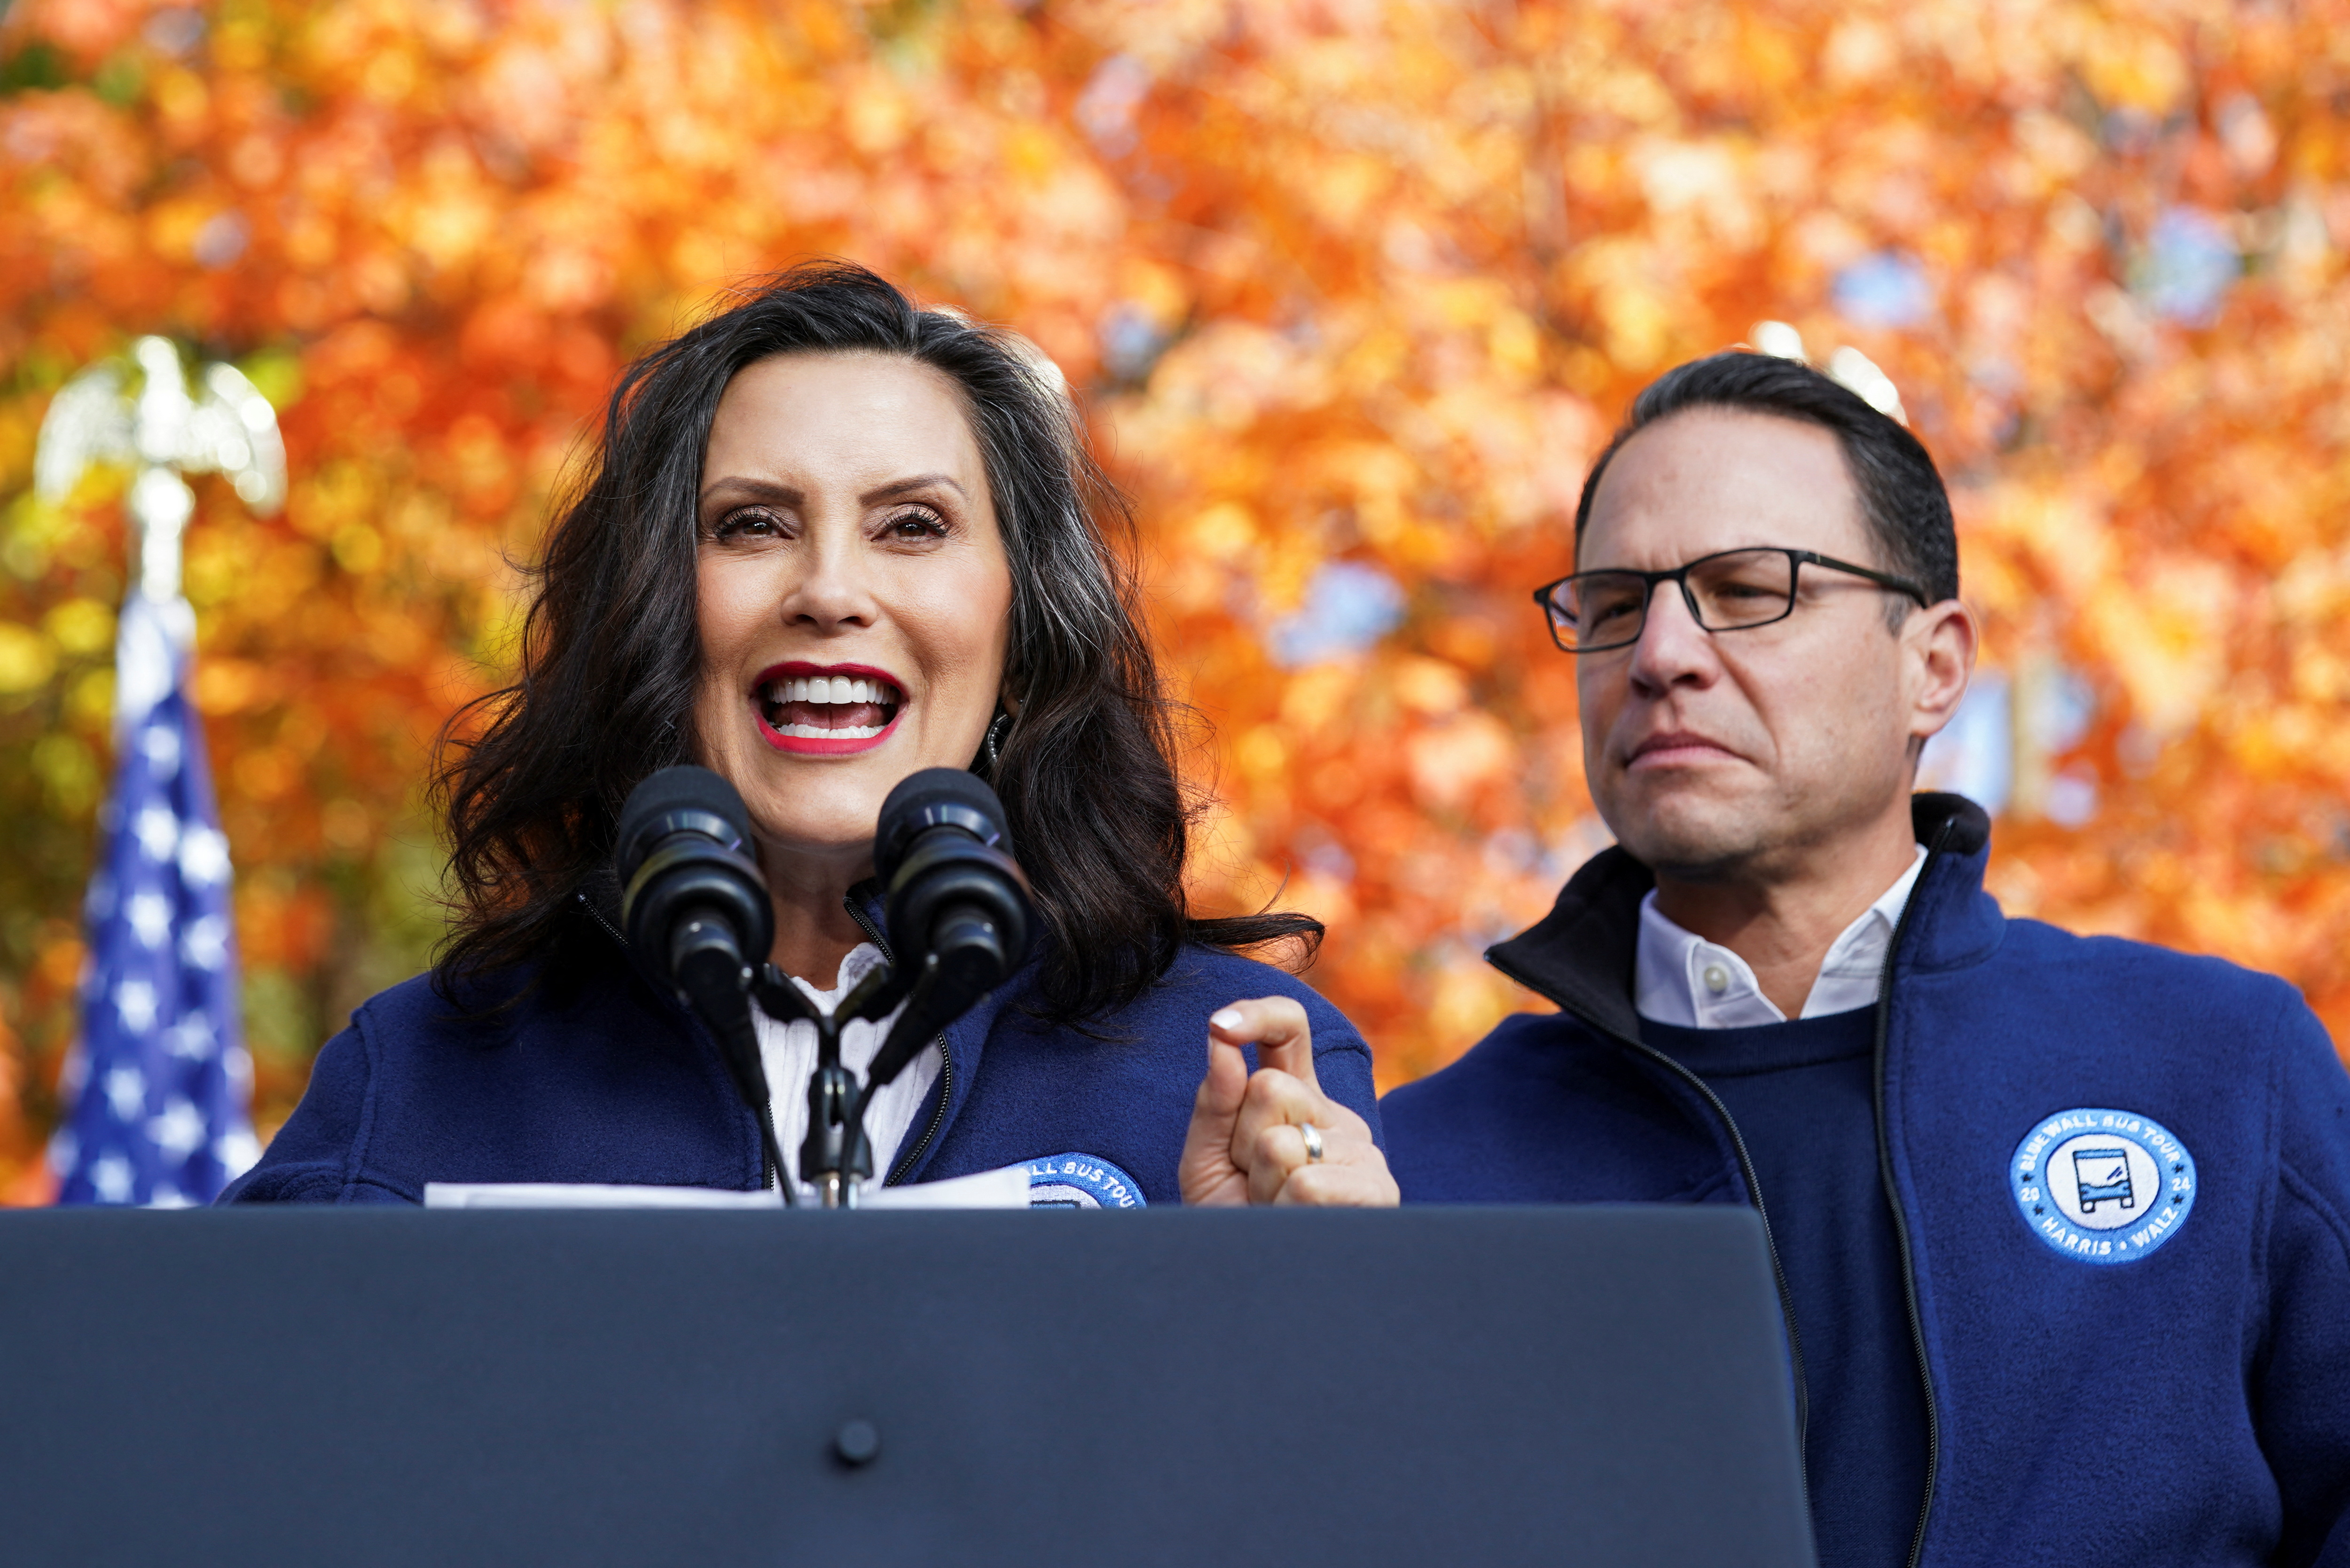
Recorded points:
(751, 489)
(897, 487)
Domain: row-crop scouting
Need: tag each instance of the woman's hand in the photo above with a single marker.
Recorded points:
(1272, 1136)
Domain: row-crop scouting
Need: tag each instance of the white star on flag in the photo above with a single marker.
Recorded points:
(203, 856)
(159, 832)
(205, 941)
(160, 743)
(135, 1001)
(151, 917)
(126, 1091)
(238, 1149)
(112, 1177)
(192, 1037)
(178, 1130)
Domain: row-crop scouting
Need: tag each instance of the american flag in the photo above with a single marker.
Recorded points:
(161, 1080)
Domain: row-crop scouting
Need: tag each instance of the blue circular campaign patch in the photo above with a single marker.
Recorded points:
(2102, 1186)
(1081, 1181)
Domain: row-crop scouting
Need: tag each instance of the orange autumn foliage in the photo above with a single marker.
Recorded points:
(1352, 290)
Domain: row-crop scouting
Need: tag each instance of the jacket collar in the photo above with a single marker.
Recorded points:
(1580, 955)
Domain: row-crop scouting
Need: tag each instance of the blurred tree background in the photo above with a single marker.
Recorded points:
(1351, 290)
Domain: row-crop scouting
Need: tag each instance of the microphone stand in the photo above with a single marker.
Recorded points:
(835, 1156)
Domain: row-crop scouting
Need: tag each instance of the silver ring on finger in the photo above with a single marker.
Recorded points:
(1313, 1137)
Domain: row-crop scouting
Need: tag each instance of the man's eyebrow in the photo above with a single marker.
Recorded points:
(897, 487)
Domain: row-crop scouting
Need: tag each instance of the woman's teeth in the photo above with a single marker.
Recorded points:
(878, 698)
(833, 688)
(830, 732)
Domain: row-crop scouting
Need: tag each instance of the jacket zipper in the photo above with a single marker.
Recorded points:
(946, 1060)
(596, 915)
(937, 1116)
(865, 923)
(1753, 1191)
(1901, 1219)
(768, 1175)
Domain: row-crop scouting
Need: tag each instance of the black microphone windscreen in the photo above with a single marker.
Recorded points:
(683, 797)
(934, 796)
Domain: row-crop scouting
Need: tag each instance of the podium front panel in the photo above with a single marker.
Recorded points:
(1429, 1386)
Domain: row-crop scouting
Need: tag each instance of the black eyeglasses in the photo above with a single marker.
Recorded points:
(1591, 612)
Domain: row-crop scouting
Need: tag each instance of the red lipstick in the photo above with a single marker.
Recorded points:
(827, 710)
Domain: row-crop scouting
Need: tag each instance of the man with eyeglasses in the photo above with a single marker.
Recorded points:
(2062, 1226)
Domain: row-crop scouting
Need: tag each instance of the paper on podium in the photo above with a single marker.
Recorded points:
(590, 1195)
(1004, 1189)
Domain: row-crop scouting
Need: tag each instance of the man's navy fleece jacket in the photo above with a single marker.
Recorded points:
(613, 1082)
(2098, 1391)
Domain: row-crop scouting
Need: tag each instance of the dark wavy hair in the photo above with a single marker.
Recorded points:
(530, 778)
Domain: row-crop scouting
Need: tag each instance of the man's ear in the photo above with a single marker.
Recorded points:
(1938, 656)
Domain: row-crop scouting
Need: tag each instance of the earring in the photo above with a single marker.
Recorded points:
(990, 747)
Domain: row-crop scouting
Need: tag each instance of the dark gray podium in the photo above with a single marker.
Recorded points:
(1054, 1390)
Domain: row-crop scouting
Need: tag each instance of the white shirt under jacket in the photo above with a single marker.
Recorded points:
(1679, 977)
(787, 1049)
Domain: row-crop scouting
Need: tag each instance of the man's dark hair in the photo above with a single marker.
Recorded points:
(1901, 495)
(532, 778)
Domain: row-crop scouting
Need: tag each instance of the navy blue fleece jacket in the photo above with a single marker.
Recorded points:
(2120, 1178)
(610, 1082)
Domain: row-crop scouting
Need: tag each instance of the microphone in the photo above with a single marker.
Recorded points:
(697, 917)
(957, 903)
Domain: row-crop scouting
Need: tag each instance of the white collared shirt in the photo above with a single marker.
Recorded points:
(787, 1049)
(1679, 977)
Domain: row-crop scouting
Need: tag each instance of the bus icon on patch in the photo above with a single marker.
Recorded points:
(2102, 1174)
(2101, 1186)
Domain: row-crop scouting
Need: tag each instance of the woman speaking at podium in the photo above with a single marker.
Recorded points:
(829, 539)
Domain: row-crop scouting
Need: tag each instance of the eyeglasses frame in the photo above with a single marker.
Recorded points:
(1678, 576)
